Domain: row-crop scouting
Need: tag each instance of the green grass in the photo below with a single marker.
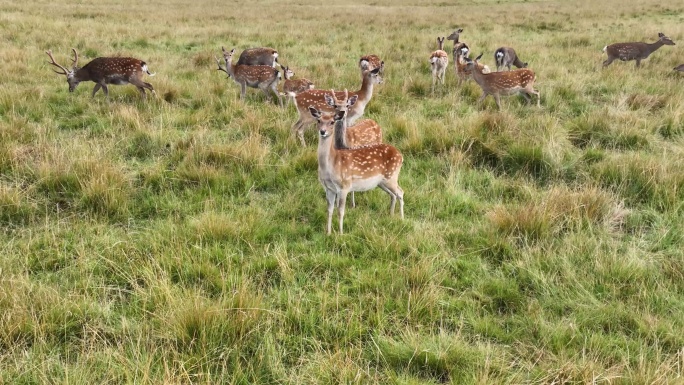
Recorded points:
(181, 239)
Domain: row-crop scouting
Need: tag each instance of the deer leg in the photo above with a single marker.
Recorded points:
(105, 89)
(330, 197)
(526, 95)
(142, 92)
(298, 127)
(638, 63)
(243, 90)
(538, 96)
(607, 62)
(341, 202)
(275, 91)
(392, 188)
(484, 95)
(393, 196)
(97, 88)
(353, 200)
(497, 99)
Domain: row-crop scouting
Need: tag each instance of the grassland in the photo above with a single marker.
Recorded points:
(181, 240)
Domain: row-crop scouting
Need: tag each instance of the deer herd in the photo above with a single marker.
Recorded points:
(351, 153)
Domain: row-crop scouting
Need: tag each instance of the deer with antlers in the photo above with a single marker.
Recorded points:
(634, 51)
(520, 81)
(291, 87)
(362, 133)
(439, 60)
(105, 70)
(258, 56)
(317, 99)
(355, 169)
(262, 77)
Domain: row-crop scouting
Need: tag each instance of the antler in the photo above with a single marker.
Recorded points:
(75, 59)
(218, 61)
(54, 63)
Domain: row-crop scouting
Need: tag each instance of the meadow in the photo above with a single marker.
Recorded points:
(181, 239)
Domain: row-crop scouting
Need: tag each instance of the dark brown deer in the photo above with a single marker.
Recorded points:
(291, 87)
(262, 77)
(439, 60)
(505, 57)
(634, 51)
(106, 70)
(355, 169)
(520, 81)
(262, 56)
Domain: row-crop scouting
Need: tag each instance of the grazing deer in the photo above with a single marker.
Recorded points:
(106, 70)
(355, 169)
(505, 57)
(317, 99)
(439, 60)
(263, 56)
(520, 81)
(634, 51)
(258, 76)
(370, 62)
(362, 133)
(291, 87)
(679, 68)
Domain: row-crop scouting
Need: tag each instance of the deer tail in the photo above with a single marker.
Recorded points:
(146, 70)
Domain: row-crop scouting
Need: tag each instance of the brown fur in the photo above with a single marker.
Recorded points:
(262, 77)
(634, 51)
(258, 56)
(504, 83)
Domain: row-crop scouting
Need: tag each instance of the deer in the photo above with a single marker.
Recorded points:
(634, 51)
(460, 53)
(257, 76)
(505, 57)
(291, 87)
(317, 99)
(341, 170)
(439, 60)
(455, 36)
(258, 56)
(370, 62)
(364, 132)
(105, 70)
(520, 81)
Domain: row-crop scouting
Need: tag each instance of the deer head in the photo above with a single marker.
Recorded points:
(70, 74)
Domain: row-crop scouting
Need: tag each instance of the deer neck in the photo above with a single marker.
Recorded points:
(365, 92)
(652, 47)
(340, 134)
(478, 76)
(326, 154)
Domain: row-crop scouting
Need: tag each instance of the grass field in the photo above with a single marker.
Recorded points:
(181, 239)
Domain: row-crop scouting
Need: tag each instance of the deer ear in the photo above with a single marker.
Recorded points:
(479, 57)
(329, 99)
(314, 112)
(339, 115)
(660, 34)
(459, 30)
(352, 100)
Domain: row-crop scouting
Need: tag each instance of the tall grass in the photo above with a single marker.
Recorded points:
(180, 239)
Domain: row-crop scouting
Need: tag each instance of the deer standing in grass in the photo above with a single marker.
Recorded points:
(355, 169)
(634, 51)
(258, 56)
(520, 81)
(106, 70)
(262, 77)
(291, 87)
(317, 99)
(439, 60)
(363, 133)
(505, 57)
(460, 53)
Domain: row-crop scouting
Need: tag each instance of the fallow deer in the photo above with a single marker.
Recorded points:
(505, 57)
(370, 62)
(106, 70)
(262, 77)
(355, 169)
(455, 36)
(460, 53)
(258, 56)
(291, 87)
(634, 51)
(362, 133)
(439, 60)
(679, 68)
(316, 98)
(520, 81)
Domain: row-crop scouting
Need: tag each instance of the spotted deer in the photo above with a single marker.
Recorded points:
(520, 81)
(258, 56)
(439, 60)
(505, 57)
(370, 62)
(291, 87)
(317, 99)
(262, 77)
(105, 70)
(362, 133)
(355, 169)
(460, 53)
(634, 51)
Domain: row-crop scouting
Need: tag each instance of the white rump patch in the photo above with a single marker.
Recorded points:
(604, 49)
(499, 54)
